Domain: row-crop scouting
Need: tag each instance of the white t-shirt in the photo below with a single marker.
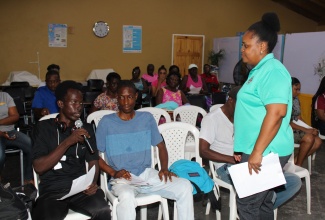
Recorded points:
(218, 131)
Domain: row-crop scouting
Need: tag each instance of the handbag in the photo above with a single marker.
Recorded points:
(11, 206)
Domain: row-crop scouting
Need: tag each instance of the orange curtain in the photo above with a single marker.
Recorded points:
(305, 105)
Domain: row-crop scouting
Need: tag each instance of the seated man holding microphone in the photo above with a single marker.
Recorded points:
(61, 148)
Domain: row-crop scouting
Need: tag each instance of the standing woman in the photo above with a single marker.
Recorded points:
(263, 111)
(306, 137)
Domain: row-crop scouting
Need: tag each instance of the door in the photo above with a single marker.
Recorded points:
(188, 49)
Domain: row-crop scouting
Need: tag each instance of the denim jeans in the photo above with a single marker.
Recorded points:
(23, 142)
(179, 189)
(223, 173)
(260, 205)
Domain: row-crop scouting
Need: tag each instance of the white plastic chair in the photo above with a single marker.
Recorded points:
(310, 157)
(71, 214)
(53, 115)
(157, 113)
(99, 113)
(188, 114)
(302, 173)
(232, 197)
(215, 107)
(174, 135)
(97, 116)
(142, 199)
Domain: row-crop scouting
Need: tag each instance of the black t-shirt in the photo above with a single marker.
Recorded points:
(46, 136)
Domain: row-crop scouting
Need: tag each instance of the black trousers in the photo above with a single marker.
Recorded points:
(48, 207)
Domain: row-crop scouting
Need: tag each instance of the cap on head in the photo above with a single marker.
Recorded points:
(192, 66)
(233, 92)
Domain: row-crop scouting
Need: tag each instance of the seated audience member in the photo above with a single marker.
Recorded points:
(140, 83)
(44, 101)
(53, 67)
(59, 156)
(306, 137)
(126, 137)
(11, 138)
(318, 108)
(160, 82)
(193, 83)
(171, 91)
(210, 79)
(174, 69)
(150, 76)
(217, 145)
(108, 99)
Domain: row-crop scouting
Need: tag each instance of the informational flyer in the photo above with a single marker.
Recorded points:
(57, 35)
(132, 39)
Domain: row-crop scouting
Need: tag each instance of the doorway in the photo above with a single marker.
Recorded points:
(187, 49)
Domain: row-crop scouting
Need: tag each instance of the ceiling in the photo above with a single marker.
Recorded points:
(312, 9)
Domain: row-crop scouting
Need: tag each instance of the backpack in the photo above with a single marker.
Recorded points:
(202, 182)
(11, 206)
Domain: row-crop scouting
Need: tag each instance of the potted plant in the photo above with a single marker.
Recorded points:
(214, 59)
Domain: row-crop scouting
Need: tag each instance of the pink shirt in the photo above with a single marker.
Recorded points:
(172, 96)
(155, 84)
(194, 87)
(149, 78)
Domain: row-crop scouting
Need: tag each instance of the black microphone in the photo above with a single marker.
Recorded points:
(79, 124)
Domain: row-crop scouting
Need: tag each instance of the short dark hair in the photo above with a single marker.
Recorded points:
(267, 29)
(233, 92)
(113, 75)
(51, 73)
(136, 68)
(126, 84)
(53, 66)
(62, 89)
(294, 81)
(172, 67)
(170, 74)
(162, 68)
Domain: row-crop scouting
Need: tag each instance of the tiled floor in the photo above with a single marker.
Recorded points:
(293, 210)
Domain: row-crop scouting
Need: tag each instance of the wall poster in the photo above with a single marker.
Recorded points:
(132, 39)
(57, 35)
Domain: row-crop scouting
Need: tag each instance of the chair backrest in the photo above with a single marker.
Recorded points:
(157, 113)
(215, 107)
(98, 115)
(175, 134)
(90, 96)
(219, 98)
(20, 84)
(198, 100)
(95, 84)
(188, 113)
(53, 115)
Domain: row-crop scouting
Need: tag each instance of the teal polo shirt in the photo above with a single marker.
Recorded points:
(269, 82)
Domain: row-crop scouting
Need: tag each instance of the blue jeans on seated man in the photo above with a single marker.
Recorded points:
(22, 142)
(282, 193)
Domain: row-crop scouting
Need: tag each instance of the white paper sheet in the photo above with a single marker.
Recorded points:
(301, 123)
(270, 176)
(81, 183)
(135, 181)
